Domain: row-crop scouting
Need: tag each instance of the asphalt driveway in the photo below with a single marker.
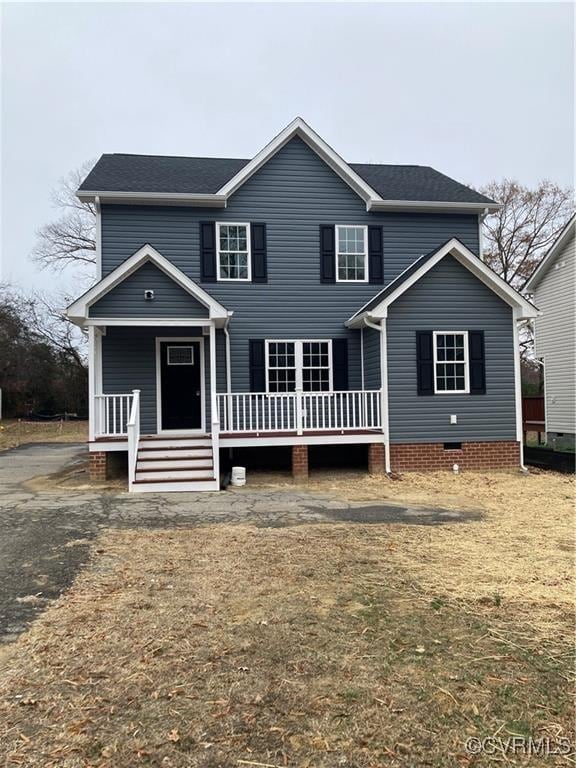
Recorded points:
(45, 536)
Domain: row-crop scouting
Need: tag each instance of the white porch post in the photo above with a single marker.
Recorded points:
(215, 421)
(384, 383)
(91, 382)
(518, 385)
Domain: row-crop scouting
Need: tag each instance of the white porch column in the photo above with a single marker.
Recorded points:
(518, 385)
(91, 382)
(214, 418)
(384, 383)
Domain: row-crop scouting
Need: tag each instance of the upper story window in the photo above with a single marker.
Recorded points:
(305, 365)
(451, 374)
(233, 256)
(351, 254)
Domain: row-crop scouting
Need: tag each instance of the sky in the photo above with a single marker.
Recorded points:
(478, 91)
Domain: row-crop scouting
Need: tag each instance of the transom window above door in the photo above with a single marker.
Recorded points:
(351, 254)
(292, 365)
(233, 244)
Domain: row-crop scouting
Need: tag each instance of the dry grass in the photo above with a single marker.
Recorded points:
(321, 645)
(523, 549)
(15, 432)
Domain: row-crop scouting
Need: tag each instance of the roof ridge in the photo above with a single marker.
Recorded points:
(176, 157)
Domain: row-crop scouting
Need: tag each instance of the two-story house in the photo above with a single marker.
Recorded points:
(293, 300)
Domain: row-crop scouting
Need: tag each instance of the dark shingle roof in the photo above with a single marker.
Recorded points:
(205, 175)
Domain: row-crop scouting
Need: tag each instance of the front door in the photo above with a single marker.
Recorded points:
(180, 385)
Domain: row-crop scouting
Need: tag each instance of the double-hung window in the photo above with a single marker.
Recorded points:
(233, 258)
(292, 365)
(451, 374)
(351, 254)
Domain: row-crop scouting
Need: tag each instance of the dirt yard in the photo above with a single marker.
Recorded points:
(15, 432)
(360, 645)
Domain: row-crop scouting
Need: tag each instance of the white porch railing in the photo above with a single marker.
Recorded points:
(299, 412)
(133, 429)
(111, 415)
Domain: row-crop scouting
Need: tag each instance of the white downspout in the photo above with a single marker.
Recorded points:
(362, 358)
(384, 386)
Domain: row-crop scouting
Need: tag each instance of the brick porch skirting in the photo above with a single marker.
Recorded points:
(418, 457)
(98, 466)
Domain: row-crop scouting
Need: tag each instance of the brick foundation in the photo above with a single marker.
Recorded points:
(300, 462)
(421, 457)
(98, 466)
(376, 462)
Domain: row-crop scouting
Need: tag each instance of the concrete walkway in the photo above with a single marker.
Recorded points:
(45, 535)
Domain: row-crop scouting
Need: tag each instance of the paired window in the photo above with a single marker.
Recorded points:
(351, 254)
(233, 251)
(292, 365)
(451, 373)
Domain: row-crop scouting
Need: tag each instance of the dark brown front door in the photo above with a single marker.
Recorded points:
(181, 391)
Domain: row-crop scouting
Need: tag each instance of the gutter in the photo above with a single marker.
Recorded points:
(381, 328)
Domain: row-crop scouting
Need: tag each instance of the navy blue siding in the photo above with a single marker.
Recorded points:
(450, 298)
(129, 362)
(293, 194)
(372, 379)
(127, 298)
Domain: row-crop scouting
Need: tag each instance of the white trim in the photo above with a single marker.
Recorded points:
(465, 257)
(362, 358)
(91, 383)
(331, 439)
(135, 321)
(167, 198)
(431, 205)
(298, 361)
(78, 311)
(518, 386)
(298, 127)
(556, 247)
(98, 238)
(202, 428)
(248, 252)
(465, 362)
(364, 228)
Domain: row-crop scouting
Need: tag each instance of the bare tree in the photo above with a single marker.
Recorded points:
(518, 235)
(71, 239)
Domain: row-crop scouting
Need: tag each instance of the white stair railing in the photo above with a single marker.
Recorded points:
(133, 428)
(111, 414)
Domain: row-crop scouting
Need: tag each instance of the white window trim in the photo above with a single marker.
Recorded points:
(179, 346)
(364, 227)
(466, 390)
(249, 251)
(298, 363)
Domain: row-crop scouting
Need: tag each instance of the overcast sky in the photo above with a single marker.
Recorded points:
(479, 91)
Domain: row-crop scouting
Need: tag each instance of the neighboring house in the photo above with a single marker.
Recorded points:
(553, 286)
(294, 300)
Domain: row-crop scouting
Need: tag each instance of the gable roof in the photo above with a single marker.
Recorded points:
(210, 181)
(377, 307)
(77, 312)
(555, 249)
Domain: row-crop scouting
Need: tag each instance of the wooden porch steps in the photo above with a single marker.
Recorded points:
(175, 464)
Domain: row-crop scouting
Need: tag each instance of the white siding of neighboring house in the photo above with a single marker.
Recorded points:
(556, 338)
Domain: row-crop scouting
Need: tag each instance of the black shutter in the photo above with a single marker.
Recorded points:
(340, 364)
(327, 254)
(477, 362)
(207, 252)
(375, 253)
(257, 363)
(259, 267)
(425, 362)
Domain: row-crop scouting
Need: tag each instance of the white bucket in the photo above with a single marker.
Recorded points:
(238, 476)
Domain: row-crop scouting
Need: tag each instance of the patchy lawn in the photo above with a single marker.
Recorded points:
(316, 645)
(15, 432)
